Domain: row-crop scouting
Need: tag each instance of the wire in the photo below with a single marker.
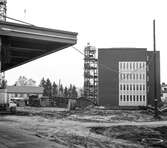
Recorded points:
(78, 50)
(99, 63)
(17, 20)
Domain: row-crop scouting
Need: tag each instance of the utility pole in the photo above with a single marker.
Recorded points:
(156, 115)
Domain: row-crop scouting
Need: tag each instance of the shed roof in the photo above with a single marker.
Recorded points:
(23, 43)
(25, 89)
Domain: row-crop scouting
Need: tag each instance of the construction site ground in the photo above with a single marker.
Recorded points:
(92, 127)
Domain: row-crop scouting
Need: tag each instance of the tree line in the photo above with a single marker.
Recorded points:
(57, 90)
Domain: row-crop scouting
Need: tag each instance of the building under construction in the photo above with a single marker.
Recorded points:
(90, 73)
(128, 81)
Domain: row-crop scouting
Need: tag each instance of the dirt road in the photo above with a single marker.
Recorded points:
(75, 129)
(12, 137)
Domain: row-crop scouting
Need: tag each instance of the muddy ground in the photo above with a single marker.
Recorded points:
(92, 127)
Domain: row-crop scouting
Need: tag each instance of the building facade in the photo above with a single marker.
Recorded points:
(126, 77)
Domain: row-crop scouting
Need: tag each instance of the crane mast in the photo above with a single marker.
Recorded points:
(2, 18)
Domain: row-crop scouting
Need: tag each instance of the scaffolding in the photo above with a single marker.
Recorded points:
(2, 18)
(3, 10)
(90, 73)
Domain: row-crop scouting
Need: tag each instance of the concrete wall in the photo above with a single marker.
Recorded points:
(151, 81)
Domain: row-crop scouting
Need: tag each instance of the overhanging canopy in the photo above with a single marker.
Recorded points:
(20, 43)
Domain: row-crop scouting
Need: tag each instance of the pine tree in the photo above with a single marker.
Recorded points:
(74, 92)
(70, 91)
(43, 84)
(61, 90)
(65, 92)
(54, 90)
(48, 88)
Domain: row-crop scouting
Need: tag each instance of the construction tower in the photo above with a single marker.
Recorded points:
(2, 18)
(3, 10)
(90, 73)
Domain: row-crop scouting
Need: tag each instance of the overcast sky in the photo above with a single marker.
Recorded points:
(103, 23)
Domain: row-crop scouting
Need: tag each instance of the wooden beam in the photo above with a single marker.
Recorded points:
(20, 57)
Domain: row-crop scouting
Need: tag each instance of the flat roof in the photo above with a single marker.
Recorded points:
(123, 48)
(24, 43)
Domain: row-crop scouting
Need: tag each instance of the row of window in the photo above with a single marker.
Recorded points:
(132, 76)
(133, 87)
(134, 98)
(132, 65)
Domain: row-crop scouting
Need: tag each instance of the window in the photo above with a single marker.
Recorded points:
(140, 65)
(120, 65)
(124, 87)
(137, 87)
(134, 98)
(143, 87)
(124, 98)
(140, 87)
(121, 97)
(123, 65)
(140, 98)
(134, 65)
(133, 86)
(121, 87)
(143, 98)
(143, 65)
(123, 76)
(130, 97)
(130, 86)
(127, 98)
(127, 87)
(137, 98)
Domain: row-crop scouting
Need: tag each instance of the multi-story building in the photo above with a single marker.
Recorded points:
(126, 77)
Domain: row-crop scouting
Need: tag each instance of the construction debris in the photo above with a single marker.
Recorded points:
(91, 127)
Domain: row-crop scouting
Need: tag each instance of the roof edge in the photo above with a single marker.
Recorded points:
(36, 27)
